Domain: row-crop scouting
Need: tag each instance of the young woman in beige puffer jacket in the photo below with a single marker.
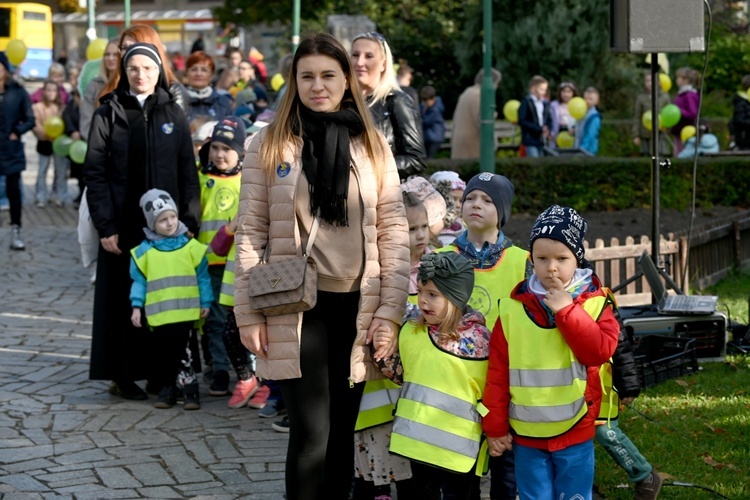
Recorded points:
(323, 155)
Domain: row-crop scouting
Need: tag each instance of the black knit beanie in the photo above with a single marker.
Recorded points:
(498, 188)
(563, 224)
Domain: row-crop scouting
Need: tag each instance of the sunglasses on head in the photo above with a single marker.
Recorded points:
(371, 35)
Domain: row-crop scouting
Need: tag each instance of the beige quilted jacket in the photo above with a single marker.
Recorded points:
(267, 210)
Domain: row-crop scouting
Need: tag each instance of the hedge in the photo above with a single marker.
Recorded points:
(610, 184)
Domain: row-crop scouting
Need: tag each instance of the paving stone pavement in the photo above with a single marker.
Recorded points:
(62, 436)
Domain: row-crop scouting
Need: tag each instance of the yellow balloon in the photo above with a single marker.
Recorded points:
(16, 52)
(510, 110)
(54, 127)
(577, 108)
(565, 140)
(96, 49)
(687, 132)
(277, 81)
(665, 82)
(646, 120)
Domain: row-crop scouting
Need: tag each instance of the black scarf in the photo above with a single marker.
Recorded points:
(326, 159)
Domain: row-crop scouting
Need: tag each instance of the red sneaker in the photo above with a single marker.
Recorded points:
(243, 391)
(259, 400)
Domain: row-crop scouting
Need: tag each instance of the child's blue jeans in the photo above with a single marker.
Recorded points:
(562, 474)
(60, 185)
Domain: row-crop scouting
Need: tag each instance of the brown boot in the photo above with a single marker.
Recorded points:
(649, 488)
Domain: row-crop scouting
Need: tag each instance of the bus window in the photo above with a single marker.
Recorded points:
(31, 23)
(4, 23)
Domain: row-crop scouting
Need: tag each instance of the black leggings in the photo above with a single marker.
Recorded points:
(13, 191)
(321, 405)
(238, 355)
(170, 343)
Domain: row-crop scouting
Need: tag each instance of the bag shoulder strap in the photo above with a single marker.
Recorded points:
(308, 248)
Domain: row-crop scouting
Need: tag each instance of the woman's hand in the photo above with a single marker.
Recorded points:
(385, 333)
(110, 244)
(255, 338)
(13, 136)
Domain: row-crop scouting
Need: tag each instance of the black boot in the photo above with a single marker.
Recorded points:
(192, 398)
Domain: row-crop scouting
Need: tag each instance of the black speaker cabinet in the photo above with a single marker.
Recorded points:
(650, 26)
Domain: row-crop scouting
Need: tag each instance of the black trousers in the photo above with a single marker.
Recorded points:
(321, 405)
(13, 192)
(170, 343)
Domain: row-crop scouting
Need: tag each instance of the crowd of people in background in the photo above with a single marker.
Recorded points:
(199, 169)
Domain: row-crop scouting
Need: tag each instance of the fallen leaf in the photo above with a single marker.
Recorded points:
(719, 430)
(682, 383)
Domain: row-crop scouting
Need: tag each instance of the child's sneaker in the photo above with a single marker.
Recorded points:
(258, 401)
(167, 398)
(273, 408)
(192, 398)
(281, 425)
(243, 391)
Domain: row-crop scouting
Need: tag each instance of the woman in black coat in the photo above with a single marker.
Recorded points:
(393, 111)
(16, 118)
(139, 140)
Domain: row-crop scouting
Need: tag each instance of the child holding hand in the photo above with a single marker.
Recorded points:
(172, 289)
(543, 390)
(433, 413)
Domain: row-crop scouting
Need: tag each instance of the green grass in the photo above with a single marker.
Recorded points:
(734, 293)
(694, 429)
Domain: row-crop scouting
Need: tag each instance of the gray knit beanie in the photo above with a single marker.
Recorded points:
(154, 202)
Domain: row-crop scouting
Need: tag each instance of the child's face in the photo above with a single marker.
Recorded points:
(57, 77)
(50, 92)
(419, 230)
(222, 156)
(167, 223)
(552, 259)
(429, 102)
(566, 94)
(591, 98)
(539, 90)
(432, 303)
(479, 212)
(457, 195)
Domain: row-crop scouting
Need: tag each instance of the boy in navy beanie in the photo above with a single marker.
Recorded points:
(498, 266)
(219, 177)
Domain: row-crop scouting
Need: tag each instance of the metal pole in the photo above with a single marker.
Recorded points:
(487, 128)
(91, 31)
(655, 184)
(127, 13)
(295, 25)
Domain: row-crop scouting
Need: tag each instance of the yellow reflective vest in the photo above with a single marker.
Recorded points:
(495, 283)
(226, 293)
(172, 294)
(378, 403)
(220, 196)
(437, 421)
(547, 383)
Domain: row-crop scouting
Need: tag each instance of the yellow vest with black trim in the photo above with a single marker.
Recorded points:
(437, 421)
(377, 404)
(610, 408)
(172, 293)
(547, 382)
(495, 283)
(226, 293)
(220, 197)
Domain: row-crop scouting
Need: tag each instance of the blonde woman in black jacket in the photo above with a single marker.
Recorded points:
(392, 109)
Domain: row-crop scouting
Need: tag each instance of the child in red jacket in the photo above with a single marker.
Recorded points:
(543, 390)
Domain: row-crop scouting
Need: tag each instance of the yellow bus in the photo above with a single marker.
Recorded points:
(32, 24)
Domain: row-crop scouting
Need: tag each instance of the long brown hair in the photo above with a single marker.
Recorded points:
(141, 33)
(280, 133)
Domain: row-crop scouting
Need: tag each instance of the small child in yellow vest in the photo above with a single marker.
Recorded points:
(543, 391)
(499, 265)
(171, 291)
(441, 365)
(219, 177)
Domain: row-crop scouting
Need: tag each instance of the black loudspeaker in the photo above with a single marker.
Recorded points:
(651, 26)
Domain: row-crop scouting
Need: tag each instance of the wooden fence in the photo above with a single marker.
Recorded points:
(712, 251)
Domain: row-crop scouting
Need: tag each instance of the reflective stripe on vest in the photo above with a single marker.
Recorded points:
(495, 283)
(172, 293)
(547, 383)
(436, 419)
(610, 408)
(226, 293)
(377, 404)
(219, 203)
